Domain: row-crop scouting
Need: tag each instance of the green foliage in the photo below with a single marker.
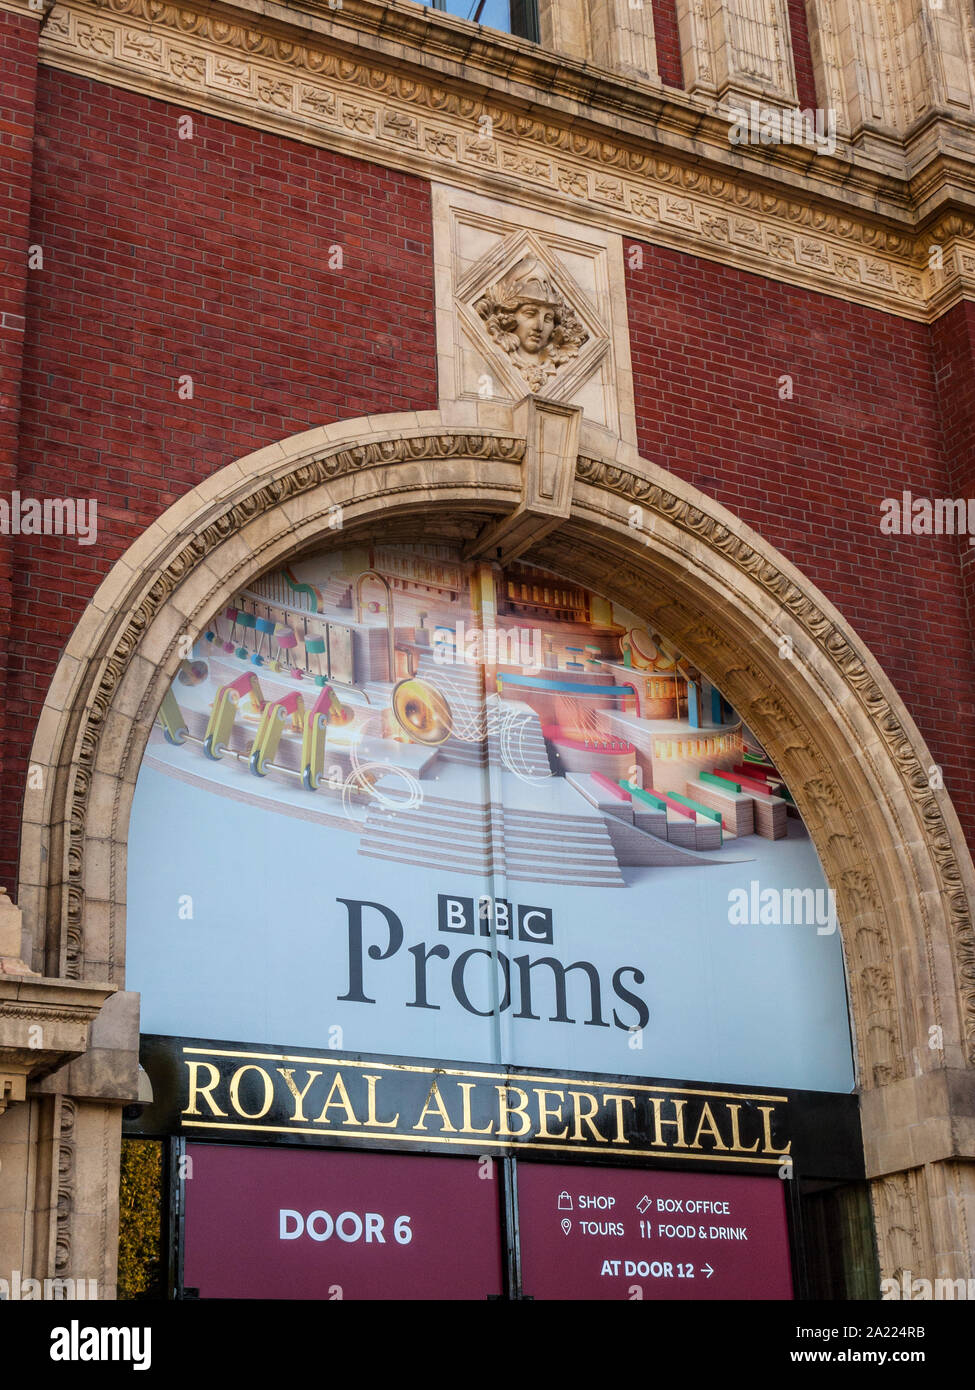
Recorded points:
(140, 1220)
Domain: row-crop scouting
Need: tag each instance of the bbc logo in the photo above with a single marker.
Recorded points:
(486, 915)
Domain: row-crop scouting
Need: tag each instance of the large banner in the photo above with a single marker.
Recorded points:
(399, 804)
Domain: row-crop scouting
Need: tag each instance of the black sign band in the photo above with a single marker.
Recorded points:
(260, 1094)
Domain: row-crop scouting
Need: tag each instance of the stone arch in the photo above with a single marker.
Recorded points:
(890, 844)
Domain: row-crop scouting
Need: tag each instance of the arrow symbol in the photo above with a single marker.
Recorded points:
(707, 1270)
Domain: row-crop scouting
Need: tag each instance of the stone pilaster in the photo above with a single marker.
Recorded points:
(887, 66)
(737, 50)
(68, 1061)
(621, 35)
(919, 1150)
(944, 69)
(562, 26)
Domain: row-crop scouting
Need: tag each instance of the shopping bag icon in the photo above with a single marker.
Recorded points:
(565, 1201)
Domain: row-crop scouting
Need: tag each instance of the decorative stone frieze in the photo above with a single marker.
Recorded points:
(657, 170)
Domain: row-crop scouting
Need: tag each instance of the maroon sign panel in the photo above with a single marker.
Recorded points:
(302, 1223)
(614, 1233)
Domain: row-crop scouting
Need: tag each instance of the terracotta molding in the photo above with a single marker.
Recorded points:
(660, 169)
(23, 7)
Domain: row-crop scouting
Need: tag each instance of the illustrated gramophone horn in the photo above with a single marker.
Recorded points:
(421, 711)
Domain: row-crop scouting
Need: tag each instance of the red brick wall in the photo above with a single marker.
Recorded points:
(710, 345)
(805, 80)
(18, 69)
(207, 257)
(18, 66)
(953, 337)
(667, 39)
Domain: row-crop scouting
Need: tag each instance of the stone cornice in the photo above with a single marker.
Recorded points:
(394, 108)
(485, 57)
(22, 7)
(43, 1024)
(670, 177)
(494, 67)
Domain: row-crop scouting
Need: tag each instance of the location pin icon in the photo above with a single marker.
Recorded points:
(566, 1225)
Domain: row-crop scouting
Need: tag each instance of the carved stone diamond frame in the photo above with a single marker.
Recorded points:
(492, 256)
(523, 274)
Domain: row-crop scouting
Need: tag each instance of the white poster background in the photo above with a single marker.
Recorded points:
(265, 956)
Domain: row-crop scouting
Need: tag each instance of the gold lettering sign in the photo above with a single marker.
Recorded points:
(272, 1096)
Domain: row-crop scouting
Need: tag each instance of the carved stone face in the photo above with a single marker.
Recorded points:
(529, 318)
(534, 325)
